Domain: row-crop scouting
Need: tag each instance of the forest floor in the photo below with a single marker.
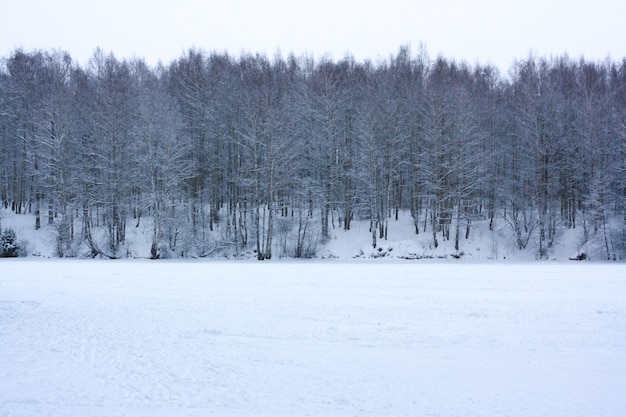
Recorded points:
(482, 244)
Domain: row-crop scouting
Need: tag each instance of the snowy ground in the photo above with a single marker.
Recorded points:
(483, 244)
(402, 338)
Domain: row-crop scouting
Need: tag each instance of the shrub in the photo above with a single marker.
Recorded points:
(8, 244)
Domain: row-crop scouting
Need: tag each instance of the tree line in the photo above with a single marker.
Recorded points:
(250, 153)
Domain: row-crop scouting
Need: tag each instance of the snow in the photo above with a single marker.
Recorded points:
(483, 244)
(325, 338)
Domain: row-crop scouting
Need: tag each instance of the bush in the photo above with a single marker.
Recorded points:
(8, 245)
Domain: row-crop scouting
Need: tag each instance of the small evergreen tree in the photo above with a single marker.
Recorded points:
(8, 244)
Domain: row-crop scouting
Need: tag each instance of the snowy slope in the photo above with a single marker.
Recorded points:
(402, 243)
(362, 338)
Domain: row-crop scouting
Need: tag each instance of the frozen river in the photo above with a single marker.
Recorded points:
(140, 338)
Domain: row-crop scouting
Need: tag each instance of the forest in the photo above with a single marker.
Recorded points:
(223, 154)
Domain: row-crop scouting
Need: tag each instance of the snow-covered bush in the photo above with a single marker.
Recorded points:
(8, 244)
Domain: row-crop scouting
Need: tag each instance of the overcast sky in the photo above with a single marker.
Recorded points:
(484, 31)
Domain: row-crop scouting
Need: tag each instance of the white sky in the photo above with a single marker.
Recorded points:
(484, 31)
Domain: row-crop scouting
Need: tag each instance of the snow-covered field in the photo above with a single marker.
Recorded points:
(412, 338)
